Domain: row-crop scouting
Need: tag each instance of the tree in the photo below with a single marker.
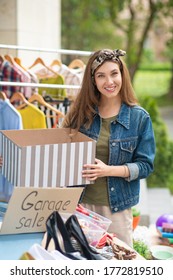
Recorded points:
(170, 55)
(135, 19)
(86, 25)
(89, 25)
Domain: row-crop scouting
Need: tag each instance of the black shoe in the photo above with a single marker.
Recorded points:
(55, 225)
(75, 230)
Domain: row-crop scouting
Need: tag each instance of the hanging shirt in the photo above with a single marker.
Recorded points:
(25, 78)
(9, 116)
(57, 93)
(34, 79)
(47, 76)
(70, 77)
(32, 117)
(9, 74)
(9, 119)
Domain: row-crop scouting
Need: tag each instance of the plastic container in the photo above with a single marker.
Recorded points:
(92, 232)
(95, 218)
(161, 252)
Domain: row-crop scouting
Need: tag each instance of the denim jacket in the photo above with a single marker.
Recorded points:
(132, 143)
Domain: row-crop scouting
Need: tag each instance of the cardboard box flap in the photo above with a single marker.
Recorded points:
(30, 137)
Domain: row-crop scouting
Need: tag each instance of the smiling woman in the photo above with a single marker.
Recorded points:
(109, 81)
(107, 110)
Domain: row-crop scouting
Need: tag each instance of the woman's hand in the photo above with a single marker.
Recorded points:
(1, 161)
(93, 171)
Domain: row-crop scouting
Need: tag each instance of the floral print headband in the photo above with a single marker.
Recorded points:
(106, 55)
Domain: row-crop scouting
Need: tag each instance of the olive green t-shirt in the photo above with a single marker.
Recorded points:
(97, 193)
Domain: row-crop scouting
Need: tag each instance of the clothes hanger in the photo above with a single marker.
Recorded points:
(40, 61)
(10, 59)
(2, 58)
(18, 96)
(76, 63)
(37, 97)
(18, 61)
(56, 62)
(3, 95)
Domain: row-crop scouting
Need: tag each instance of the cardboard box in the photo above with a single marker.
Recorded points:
(45, 157)
(29, 208)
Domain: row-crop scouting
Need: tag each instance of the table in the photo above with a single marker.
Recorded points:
(14, 245)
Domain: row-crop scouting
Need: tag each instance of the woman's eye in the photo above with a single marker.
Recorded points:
(100, 76)
(114, 73)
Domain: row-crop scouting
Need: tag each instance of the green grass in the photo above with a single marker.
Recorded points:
(152, 83)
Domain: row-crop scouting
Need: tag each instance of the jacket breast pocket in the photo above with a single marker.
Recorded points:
(127, 148)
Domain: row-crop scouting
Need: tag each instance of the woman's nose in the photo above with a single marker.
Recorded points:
(109, 80)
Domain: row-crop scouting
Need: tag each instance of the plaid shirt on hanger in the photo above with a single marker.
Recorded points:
(9, 74)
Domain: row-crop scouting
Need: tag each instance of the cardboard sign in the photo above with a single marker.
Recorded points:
(45, 157)
(29, 208)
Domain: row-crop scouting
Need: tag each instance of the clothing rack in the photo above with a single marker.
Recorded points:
(2, 83)
(61, 51)
(66, 101)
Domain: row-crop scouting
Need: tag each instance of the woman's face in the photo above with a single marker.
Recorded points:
(108, 79)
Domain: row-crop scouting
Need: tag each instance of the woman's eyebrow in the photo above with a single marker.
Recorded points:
(99, 72)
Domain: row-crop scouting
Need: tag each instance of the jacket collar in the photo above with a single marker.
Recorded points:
(123, 117)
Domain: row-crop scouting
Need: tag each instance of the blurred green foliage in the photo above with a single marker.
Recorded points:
(151, 83)
(142, 248)
(163, 165)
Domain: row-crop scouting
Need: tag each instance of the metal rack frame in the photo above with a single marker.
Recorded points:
(61, 51)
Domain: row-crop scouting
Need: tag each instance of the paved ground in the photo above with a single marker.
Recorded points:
(153, 203)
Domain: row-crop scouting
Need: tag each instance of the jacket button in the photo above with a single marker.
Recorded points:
(113, 144)
(112, 189)
(115, 209)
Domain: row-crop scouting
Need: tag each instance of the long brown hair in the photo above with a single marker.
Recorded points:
(82, 110)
